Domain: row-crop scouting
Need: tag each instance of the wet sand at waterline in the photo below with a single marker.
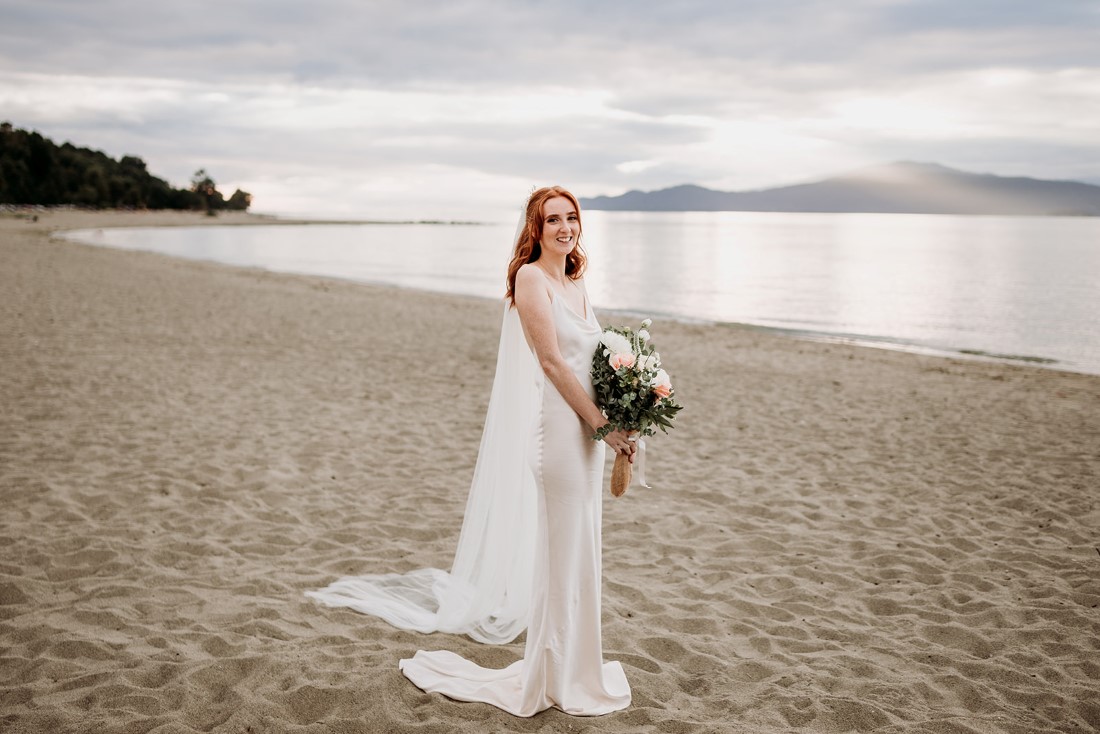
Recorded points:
(836, 539)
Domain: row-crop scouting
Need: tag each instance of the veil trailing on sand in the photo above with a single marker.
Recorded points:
(487, 593)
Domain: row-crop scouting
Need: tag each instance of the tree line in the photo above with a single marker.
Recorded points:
(35, 170)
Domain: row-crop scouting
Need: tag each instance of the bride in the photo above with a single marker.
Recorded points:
(528, 554)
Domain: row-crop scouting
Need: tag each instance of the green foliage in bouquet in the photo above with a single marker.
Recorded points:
(632, 389)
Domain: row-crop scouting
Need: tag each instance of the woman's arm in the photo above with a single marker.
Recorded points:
(532, 295)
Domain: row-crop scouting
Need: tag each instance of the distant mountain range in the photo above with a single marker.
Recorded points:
(903, 187)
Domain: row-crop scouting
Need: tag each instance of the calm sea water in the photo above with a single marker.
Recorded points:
(1014, 287)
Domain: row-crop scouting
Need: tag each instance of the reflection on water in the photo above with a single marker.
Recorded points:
(1003, 285)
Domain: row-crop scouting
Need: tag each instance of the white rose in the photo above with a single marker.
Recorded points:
(616, 343)
(643, 335)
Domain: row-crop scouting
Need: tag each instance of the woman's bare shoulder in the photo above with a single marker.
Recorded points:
(530, 282)
(529, 268)
(530, 275)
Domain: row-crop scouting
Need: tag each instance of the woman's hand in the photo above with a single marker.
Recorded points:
(621, 443)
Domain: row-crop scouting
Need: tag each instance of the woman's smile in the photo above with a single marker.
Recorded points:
(561, 225)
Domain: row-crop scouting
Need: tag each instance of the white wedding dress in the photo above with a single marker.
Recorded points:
(529, 552)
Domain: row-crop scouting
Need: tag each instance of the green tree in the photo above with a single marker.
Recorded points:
(239, 201)
(205, 188)
(207, 191)
(35, 170)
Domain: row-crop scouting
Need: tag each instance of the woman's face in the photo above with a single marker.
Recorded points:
(561, 226)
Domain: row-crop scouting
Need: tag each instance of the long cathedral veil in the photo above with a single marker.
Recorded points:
(487, 593)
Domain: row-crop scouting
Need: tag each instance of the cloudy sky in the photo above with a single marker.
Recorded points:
(410, 108)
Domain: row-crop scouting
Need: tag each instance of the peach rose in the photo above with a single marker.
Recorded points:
(662, 385)
(621, 360)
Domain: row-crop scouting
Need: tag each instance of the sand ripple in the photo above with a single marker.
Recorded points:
(837, 539)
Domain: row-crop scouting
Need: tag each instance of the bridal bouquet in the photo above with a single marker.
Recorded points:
(632, 389)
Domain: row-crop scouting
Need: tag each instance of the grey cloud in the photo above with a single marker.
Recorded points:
(749, 60)
(989, 14)
(485, 42)
(177, 139)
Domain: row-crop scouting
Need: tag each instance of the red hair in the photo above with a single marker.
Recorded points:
(528, 244)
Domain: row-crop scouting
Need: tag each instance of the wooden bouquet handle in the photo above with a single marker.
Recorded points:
(620, 475)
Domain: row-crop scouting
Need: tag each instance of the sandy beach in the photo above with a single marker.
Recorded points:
(836, 539)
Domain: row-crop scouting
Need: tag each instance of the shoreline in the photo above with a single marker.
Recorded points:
(836, 538)
(863, 341)
(235, 218)
(868, 341)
